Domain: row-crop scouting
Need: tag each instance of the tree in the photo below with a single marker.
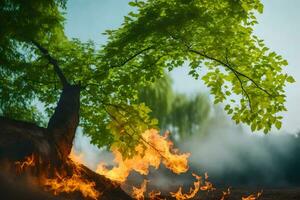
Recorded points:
(181, 114)
(38, 61)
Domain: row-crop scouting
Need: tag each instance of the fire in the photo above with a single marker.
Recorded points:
(225, 194)
(207, 185)
(72, 184)
(158, 150)
(77, 158)
(154, 195)
(29, 161)
(252, 196)
(138, 193)
(193, 191)
(63, 184)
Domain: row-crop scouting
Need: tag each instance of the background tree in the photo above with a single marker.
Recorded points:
(159, 35)
(181, 114)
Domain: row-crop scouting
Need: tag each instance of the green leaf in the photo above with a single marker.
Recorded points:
(132, 3)
(290, 79)
(278, 124)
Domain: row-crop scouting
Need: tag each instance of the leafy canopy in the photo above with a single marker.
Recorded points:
(158, 35)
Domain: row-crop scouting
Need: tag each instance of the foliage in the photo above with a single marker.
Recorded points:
(215, 34)
(181, 114)
(21, 22)
(161, 34)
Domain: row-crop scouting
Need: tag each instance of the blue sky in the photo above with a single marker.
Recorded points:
(279, 26)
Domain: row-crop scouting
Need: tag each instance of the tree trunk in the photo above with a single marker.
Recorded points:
(63, 123)
(50, 148)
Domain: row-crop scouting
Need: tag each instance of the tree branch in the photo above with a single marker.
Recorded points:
(122, 63)
(132, 57)
(227, 64)
(241, 83)
(54, 62)
(230, 68)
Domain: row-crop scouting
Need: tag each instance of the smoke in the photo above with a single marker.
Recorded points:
(234, 157)
(91, 154)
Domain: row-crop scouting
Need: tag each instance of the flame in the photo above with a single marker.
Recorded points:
(225, 194)
(208, 186)
(75, 157)
(71, 184)
(193, 191)
(29, 161)
(158, 150)
(252, 196)
(138, 193)
(154, 195)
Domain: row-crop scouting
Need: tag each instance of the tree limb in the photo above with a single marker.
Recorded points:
(230, 68)
(241, 83)
(235, 72)
(54, 62)
(132, 57)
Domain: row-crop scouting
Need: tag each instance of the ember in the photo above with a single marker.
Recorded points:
(252, 196)
(225, 194)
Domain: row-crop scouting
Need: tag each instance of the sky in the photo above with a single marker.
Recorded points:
(279, 27)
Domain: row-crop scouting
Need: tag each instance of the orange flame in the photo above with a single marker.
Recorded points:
(207, 185)
(138, 193)
(154, 195)
(158, 149)
(193, 191)
(28, 162)
(77, 158)
(252, 196)
(71, 184)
